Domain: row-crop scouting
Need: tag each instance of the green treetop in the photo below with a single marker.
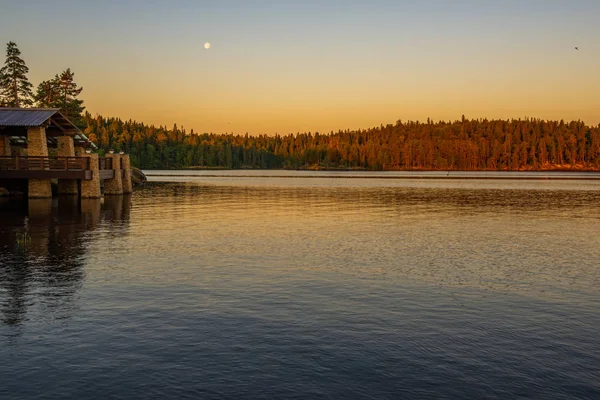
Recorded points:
(15, 88)
(47, 94)
(61, 92)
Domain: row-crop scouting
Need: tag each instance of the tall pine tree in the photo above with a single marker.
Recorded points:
(61, 92)
(67, 97)
(15, 88)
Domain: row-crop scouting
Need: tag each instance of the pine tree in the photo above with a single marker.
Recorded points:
(15, 88)
(68, 92)
(47, 93)
(61, 92)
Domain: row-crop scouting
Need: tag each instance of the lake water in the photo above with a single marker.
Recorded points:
(228, 285)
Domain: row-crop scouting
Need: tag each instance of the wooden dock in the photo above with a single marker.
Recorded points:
(27, 134)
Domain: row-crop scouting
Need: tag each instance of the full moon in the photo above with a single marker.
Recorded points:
(207, 45)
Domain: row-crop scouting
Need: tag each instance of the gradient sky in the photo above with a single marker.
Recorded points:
(296, 66)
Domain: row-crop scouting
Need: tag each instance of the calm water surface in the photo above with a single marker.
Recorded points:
(282, 287)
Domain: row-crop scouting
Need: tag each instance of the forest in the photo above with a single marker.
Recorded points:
(465, 144)
(524, 144)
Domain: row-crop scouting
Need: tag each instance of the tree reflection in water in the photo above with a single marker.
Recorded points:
(45, 272)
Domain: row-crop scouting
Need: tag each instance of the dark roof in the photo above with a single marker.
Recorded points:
(30, 117)
(25, 116)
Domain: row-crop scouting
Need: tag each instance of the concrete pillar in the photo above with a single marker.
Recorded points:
(79, 151)
(66, 148)
(90, 189)
(5, 146)
(38, 146)
(127, 186)
(114, 186)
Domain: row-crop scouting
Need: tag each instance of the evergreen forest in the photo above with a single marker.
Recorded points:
(527, 144)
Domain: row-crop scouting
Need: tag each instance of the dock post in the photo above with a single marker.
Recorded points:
(126, 165)
(38, 146)
(90, 189)
(114, 186)
(66, 148)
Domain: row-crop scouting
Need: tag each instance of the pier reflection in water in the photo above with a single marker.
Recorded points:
(43, 245)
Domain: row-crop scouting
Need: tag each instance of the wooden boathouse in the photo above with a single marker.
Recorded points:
(38, 145)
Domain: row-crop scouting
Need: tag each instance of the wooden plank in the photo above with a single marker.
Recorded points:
(107, 174)
(44, 174)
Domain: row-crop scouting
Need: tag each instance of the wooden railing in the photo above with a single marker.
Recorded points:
(32, 163)
(31, 167)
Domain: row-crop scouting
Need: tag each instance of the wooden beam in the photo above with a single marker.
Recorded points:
(45, 174)
(107, 174)
(57, 125)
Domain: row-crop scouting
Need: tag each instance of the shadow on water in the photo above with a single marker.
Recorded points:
(43, 246)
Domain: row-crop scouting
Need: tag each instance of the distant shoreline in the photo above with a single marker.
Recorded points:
(409, 175)
(561, 169)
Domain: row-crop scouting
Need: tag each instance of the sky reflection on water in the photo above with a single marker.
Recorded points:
(217, 290)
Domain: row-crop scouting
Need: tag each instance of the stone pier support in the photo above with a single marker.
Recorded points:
(90, 189)
(66, 148)
(126, 165)
(38, 146)
(114, 186)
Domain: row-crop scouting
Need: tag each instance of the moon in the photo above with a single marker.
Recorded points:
(207, 45)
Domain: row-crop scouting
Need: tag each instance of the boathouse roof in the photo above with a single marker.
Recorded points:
(15, 121)
(26, 116)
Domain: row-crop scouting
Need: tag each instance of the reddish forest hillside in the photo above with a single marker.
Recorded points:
(528, 144)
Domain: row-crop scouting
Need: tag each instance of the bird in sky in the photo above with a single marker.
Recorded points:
(576, 48)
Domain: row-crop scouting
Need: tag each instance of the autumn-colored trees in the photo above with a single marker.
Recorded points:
(461, 145)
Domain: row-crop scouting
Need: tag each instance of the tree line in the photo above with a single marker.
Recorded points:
(526, 144)
(465, 144)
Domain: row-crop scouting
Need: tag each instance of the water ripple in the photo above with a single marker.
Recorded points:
(284, 289)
